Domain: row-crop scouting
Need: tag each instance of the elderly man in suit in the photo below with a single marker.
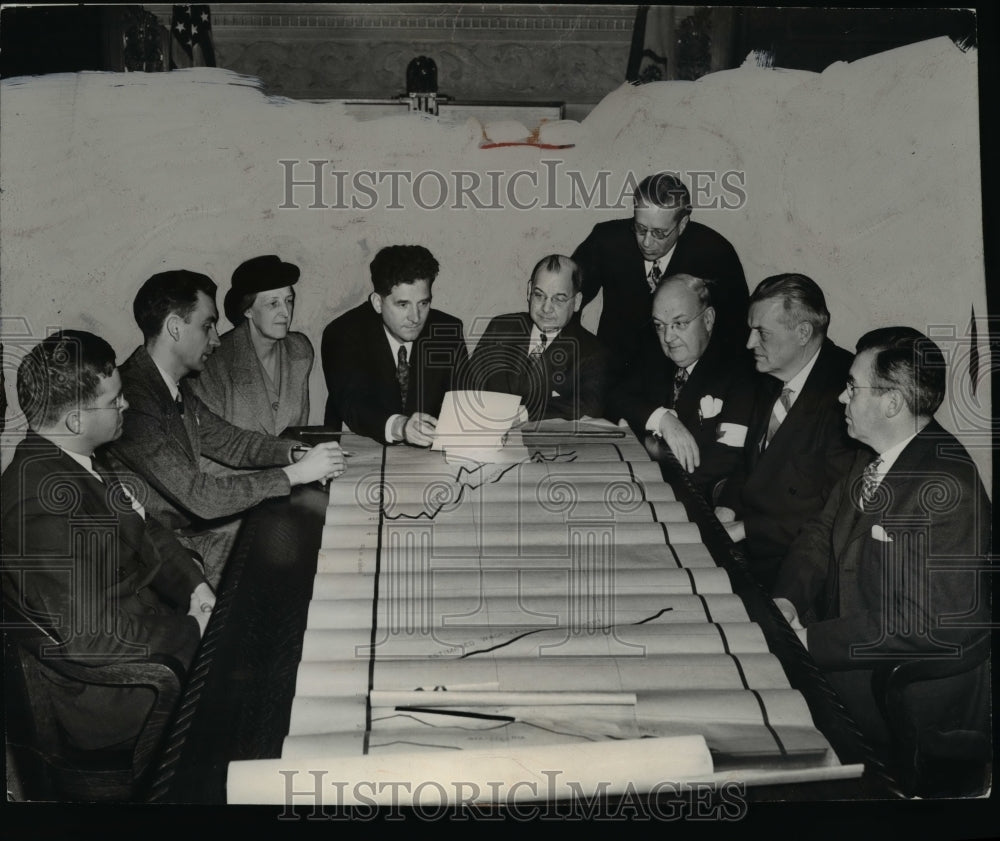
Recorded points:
(69, 522)
(557, 367)
(689, 388)
(627, 258)
(169, 428)
(892, 567)
(389, 362)
(797, 447)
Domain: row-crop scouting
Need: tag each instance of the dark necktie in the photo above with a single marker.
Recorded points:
(539, 349)
(869, 482)
(680, 377)
(654, 277)
(402, 374)
(179, 403)
(785, 399)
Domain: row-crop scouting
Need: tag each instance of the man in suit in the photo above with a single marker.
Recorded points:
(389, 362)
(699, 398)
(557, 367)
(627, 258)
(892, 567)
(81, 553)
(169, 428)
(797, 447)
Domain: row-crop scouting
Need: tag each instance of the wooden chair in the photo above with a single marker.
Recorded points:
(932, 762)
(46, 766)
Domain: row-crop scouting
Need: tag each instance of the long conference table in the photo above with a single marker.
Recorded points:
(567, 620)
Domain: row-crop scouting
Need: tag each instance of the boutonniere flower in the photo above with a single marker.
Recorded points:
(709, 407)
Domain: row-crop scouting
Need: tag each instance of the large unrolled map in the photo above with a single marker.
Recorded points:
(482, 625)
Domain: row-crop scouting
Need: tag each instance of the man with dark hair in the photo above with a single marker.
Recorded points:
(627, 258)
(169, 427)
(558, 368)
(797, 447)
(893, 566)
(68, 522)
(389, 362)
(689, 388)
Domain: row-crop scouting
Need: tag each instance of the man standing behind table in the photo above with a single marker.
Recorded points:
(797, 446)
(558, 368)
(68, 522)
(627, 259)
(700, 398)
(389, 362)
(893, 566)
(169, 428)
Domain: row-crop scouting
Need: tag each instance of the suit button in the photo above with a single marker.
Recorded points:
(274, 405)
(793, 491)
(121, 572)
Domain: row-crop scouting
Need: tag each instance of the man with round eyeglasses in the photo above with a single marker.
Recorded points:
(687, 388)
(628, 258)
(558, 368)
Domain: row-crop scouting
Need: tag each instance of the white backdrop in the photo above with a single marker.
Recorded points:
(865, 177)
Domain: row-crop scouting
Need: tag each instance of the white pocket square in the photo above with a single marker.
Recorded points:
(555, 394)
(880, 534)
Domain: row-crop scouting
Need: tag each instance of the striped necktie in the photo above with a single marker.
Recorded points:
(539, 349)
(680, 378)
(784, 401)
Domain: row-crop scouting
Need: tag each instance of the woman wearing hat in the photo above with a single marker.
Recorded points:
(259, 377)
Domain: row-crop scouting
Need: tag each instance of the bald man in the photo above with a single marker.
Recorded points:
(688, 387)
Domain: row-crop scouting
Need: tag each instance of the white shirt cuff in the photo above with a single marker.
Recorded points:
(388, 429)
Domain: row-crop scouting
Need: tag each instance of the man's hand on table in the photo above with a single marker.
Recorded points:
(734, 528)
(792, 618)
(680, 441)
(417, 430)
(319, 463)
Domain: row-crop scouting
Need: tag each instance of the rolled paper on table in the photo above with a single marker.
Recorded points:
(515, 775)
(525, 642)
(451, 536)
(365, 559)
(593, 674)
(400, 613)
(474, 510)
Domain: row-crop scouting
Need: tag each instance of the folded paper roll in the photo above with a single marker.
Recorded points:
(363, 559)
(515, 775)
(457, 535)
(528, 610)
(506, 643)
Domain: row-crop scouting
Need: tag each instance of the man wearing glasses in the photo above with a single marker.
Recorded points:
(892, 567)
(688, 388)
(797, 445)
(80, 552)
(544, 355)
(627, 259)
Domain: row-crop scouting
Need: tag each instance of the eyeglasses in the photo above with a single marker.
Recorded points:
(678, 325)
(852, 387)
(655, 233)
(540, 298)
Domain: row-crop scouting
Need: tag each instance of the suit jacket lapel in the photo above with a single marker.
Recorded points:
(177, 426)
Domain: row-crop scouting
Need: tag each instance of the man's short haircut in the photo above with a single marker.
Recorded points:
(62, 372)
(801, 298)
(664, 189)
(556, 263)
(701, 287)
(174, 292)
(905, 359)
(397, 264)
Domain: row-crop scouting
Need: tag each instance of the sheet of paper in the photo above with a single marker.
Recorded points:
(475, 421)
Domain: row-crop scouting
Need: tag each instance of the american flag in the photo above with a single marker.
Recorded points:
(191, 38)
